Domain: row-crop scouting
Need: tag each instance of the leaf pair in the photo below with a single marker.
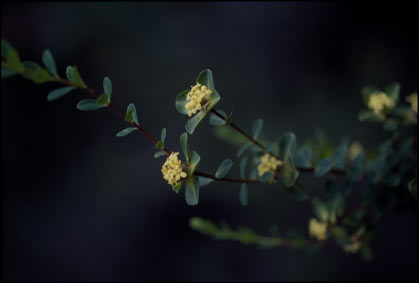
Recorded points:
(130, 117)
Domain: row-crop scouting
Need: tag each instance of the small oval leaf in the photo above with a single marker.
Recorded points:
(107, 87)
(205, 78)
(257, 128)
(192, 190)
(322, 167)
(203, 181)
(185, 147)
(163, 134)
(49, 63)
(159, 153)
(131, 114)
(88, 104)
(125, 132)
(223, 169)
(181, 102)
(243, 148)
(58, 93)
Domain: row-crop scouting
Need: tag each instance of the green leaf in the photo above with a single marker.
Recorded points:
(103, 100)
(338, 158)
(367, 91)
(177, 187)
(266, 177)
(205, 78)
(229, 117)
(336, 207)
(413, 187)
(160, 145)
(215, 120)
(287, 145)
(5, 73)
(393, 90)
(193, 122)
(257, 128)
(290, 173)
(194, 162)
(243, 164)
(243, 148)
(181, 102)
(185, 147)
(243, 195)
(322, 167)
(131, 114)
(125, 132)
(58, 93)
(320, 209)
(159, 153)
(303, 157)
(88, 104)
(203, 181)
(192, 190)
(35, 72)
(49, 63)
(73, 76)
(163, 134)
(297, 192)
(223, 169)
(107, 86)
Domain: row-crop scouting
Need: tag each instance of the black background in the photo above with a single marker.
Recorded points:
(79, 203)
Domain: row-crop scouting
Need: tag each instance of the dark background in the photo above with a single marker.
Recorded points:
(81, 204)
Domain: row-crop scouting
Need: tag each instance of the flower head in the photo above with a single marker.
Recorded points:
(379, 101)
(196, 98)
(268, 163)
(317, 229)
(172, 169)
(413, 100)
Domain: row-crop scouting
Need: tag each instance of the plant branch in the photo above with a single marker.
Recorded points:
(300, 169)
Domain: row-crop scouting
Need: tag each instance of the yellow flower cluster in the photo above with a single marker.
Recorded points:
(379, 101)
(317, 229)
(172, 169)
(352, 248)
(355, 149)
(268, 163)
(196, 98)
(413, 100)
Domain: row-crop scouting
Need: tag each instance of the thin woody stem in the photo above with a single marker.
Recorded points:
(227, 179)
(300, 169)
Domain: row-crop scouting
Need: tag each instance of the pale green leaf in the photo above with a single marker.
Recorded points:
(223, 169)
